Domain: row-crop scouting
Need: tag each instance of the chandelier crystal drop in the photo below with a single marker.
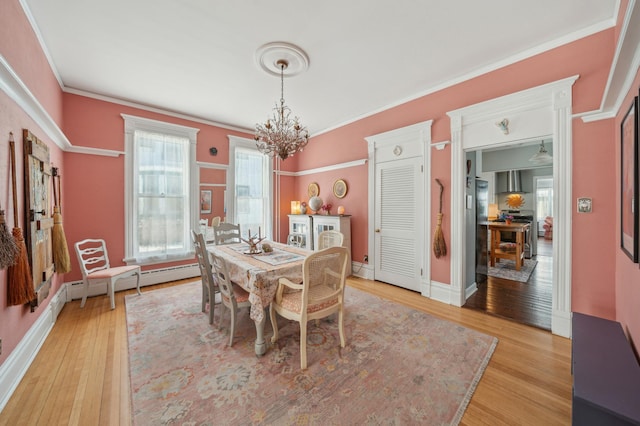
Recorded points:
(281, 135)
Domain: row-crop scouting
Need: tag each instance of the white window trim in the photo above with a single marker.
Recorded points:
(238, 142)
(131, 124)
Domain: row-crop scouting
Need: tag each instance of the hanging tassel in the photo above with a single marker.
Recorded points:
(8, 247)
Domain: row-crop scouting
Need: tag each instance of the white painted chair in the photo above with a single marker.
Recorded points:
(209, 284)
(328, 239)
(226, 233)
(233, 296)
(95, 267)
(320, 295)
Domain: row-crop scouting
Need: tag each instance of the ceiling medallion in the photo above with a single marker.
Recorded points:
(281, 135)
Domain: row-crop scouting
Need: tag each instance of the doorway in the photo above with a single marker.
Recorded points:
(533, 113)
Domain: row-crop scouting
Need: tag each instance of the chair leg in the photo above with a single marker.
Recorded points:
(341, 328)
(85, 293)
(138, 284)
(274, 324)
(205, 293)
(111, 290)
(234, 313)
(212, 297)
(303, 345)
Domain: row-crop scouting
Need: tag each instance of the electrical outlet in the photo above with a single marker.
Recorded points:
(366, 257)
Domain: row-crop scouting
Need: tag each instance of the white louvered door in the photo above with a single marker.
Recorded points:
(398, 227)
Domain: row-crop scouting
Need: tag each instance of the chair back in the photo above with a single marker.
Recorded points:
(224, 280)
(328, 239)
(226, 233)
(92, 255)
(296, 240)
(206, 271)
(326, 267)
(215, 221)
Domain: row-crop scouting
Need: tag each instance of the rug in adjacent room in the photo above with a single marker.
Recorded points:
(506, 269)
(400, 366)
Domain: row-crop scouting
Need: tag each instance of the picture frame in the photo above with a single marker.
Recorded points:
(340, 188)
(205, 201)
(629, 182)
(313, 190)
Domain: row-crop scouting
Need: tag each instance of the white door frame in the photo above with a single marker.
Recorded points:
(532, 114)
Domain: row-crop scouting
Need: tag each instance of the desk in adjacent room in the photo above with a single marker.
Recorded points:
(497, 251)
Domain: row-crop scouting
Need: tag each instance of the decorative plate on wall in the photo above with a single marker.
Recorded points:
(313, 190)
(340, 188)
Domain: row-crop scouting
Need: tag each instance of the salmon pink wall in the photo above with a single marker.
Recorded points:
(21, 51)
(627, 280)
(348, 143)
(593, 270)
(95, 184)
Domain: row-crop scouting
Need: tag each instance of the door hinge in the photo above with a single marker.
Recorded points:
(420, 271)
(421, 168)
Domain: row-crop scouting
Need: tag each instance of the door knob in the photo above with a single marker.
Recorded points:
(377, 229)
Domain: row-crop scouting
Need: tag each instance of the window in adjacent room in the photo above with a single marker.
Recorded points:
(161, 190)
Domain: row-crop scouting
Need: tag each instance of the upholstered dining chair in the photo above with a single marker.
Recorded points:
(328, 239)
(95, 267)
(320, 294)
(234, 297)
(209, 284)
(226, 233)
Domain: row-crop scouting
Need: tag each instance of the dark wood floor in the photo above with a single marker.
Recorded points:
(526, 303)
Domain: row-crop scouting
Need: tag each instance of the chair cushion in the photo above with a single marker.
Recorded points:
(113, 272)
(293, 301)
(241, 294)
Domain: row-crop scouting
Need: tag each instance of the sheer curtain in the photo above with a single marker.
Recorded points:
(161, 195)
(250, 187)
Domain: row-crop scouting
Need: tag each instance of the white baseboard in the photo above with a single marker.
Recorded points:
(16, 365)
(156, 276)
(362, 270)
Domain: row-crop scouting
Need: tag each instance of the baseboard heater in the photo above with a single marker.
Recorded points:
(150, 277)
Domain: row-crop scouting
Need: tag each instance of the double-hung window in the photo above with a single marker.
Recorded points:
(161, 190)
(249, 177)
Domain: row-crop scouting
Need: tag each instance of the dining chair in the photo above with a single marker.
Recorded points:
(234, 297)
(209, 284)
(320, 294)
(215, 221)
(328, 239)
(95, 267)
(226, 233)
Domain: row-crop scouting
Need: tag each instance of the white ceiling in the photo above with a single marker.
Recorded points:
(196, 57)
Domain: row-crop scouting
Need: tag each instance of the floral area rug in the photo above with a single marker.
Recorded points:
(399, 366)
(506, 269)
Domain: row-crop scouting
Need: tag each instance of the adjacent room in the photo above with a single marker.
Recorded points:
(331, 213)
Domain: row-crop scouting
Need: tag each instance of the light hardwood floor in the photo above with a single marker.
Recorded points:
(80, 376)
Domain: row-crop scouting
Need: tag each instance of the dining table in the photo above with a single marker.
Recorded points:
(258, 273)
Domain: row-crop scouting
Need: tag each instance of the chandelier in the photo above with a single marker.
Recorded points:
(281, 135)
